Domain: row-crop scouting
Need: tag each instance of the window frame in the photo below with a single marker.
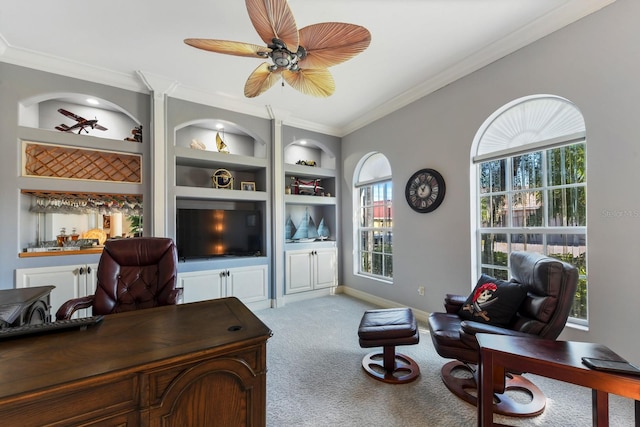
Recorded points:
(384, 231)
(532, 123)
(544, 230)
(373, 171)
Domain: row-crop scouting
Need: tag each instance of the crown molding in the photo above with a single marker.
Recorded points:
(159, 85)
(212, 99)
(56, 65)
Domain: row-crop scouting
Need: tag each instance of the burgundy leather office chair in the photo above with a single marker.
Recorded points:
(551, 287)
(133, 274)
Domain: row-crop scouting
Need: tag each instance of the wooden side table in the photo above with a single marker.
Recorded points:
(25, 306)
(560, 360)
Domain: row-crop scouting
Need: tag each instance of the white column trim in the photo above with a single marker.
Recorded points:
(160, 88)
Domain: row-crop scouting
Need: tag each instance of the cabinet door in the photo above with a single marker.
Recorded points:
(299, 269)
(248, 284)
(325, 268)
(222, 392)
(68, 282)
(90, 278)
(201, 285)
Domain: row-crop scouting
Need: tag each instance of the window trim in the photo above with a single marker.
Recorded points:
(385, 177)
(515, 147)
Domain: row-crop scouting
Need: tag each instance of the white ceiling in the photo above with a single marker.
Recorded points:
(417, 46)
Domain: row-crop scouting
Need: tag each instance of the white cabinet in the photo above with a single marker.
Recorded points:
(249, 284)
(310, 269)
(70, 281)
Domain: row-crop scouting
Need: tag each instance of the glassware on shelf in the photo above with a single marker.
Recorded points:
(62, 237)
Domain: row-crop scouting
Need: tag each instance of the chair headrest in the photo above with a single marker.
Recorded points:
(139, 250)
(544, 275)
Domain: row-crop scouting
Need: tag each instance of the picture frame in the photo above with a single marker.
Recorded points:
(248, 186)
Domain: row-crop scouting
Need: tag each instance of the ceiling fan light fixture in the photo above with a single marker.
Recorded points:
(282, 58)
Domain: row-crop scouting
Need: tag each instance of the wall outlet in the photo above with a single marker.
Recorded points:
(421, 290)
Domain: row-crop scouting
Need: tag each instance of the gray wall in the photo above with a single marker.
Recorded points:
(594, 63)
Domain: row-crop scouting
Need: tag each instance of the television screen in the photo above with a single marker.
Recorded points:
(208, 233)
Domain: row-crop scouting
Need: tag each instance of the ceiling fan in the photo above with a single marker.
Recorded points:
(301, 58)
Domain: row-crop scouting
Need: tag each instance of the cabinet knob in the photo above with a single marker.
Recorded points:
(81, 271)
(88, 270)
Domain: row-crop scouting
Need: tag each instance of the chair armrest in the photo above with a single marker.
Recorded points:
(67, 309)
(453, 303)
(471, 328)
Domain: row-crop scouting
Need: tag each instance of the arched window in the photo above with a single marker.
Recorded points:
(529, 160)
(373, 218)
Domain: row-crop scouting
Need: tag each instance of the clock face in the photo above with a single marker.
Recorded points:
(425, 190)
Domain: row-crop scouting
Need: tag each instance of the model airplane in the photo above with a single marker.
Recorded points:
(81, 124)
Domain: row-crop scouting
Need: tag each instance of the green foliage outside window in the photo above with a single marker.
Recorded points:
(540, 207)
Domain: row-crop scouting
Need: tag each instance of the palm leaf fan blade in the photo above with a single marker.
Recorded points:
(331, 43)
(274, 19)
(313, 81)
(228, 47)
(260, 81)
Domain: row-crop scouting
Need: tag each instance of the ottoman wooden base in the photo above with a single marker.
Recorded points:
(399, 369)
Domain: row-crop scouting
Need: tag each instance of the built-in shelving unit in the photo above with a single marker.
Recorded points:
(310, 199)
(310, 190)
(83, 160)
(194, 156)
(89, 181)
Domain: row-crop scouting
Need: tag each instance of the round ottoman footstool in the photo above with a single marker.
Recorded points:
(388, 328)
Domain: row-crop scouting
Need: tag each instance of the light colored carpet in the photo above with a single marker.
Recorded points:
(315, 378)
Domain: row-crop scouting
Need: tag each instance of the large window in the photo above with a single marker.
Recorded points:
(531, 192)
(374, 233)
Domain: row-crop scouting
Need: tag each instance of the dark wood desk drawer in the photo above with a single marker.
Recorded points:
(75, 404)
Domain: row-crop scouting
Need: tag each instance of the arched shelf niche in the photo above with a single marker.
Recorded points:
(198, 157)
(42, 112)
(309, 150)
(203, 133)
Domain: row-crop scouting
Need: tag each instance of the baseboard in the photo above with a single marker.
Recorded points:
(301, 296)
(420, 315)
(259, 305)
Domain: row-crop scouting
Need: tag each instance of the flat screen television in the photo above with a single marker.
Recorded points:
(209, 233)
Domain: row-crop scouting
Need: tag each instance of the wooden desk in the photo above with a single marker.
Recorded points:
(560, 360)
(185, 365)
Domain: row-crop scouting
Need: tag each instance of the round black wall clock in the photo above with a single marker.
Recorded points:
(425, 190)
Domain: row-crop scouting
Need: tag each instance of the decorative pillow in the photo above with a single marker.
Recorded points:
(493, 301)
